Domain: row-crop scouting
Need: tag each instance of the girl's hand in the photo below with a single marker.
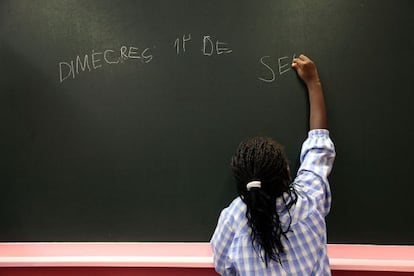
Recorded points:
(306, 70)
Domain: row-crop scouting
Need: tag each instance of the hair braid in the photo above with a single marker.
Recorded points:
(262, 159)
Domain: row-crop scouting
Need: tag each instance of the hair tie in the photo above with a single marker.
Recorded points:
(253, 184)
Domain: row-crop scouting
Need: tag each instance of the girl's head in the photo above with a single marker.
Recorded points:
(262, 159)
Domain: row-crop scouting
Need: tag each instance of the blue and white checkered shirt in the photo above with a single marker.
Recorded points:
(305, 246)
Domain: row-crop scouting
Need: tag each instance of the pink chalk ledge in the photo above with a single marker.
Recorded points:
(185, 255)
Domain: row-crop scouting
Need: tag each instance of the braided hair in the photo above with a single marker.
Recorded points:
(262, 159)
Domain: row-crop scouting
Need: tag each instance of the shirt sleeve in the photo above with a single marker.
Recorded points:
(317, 158)
(221, 242)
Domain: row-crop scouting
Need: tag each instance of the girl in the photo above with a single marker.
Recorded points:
(277, 226)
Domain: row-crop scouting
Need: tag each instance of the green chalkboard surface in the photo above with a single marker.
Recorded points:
(118, 118)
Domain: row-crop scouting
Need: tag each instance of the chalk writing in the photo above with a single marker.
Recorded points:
(209, 47)
(273, 67)
(283, 66)
(180, 45)
(95, 60)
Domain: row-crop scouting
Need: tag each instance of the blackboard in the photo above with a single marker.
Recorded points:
(118, 118)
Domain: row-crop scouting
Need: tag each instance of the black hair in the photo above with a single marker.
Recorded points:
(262, 159)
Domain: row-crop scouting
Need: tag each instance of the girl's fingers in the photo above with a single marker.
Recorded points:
(296, 63)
